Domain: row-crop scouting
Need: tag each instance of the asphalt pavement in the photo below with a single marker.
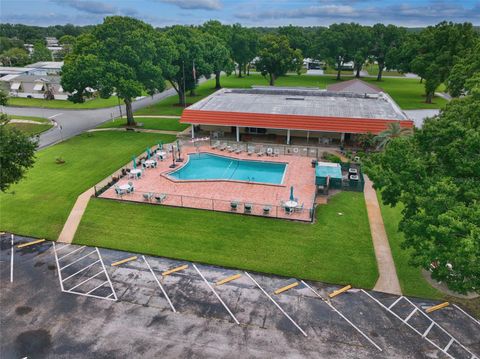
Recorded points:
(73, 122)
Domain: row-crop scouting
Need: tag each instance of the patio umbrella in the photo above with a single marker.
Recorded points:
(160, 145)
(178, 148)
(148, 153)
(134, 162)
(291, 194)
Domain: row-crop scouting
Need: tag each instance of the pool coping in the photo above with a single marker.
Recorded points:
(168, 177)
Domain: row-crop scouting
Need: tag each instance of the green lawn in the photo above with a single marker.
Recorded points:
(37, 102)
(408, 93)
(372, 70)
(327, 250)
(30, 128)
(410, 278)
(166, 124)
(39, 205)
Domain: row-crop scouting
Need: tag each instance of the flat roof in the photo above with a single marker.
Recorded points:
(301, 101)
(46, 65)
(355, 86)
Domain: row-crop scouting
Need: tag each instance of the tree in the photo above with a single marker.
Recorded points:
(123, 56)
(366, 140)
(335, 46)
(434, 174)
(17, 154)
(299, 38)
(219, 49)
(40, 52)
(361, 42)
(438, 49)
(243, 46)
(465, 68)
(192, 60)
(67, 42)
(394, 130)
(7, 44)
(386, 41)
(3, 98)
(14, 57)
(276, 57)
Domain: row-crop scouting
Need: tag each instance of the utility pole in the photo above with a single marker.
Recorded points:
(184, 94)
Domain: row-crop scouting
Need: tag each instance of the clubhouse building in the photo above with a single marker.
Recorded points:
(295, 115)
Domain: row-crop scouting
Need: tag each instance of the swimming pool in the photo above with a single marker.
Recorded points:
(206, 166)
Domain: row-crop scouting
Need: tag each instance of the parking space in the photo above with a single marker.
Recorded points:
(84, 301)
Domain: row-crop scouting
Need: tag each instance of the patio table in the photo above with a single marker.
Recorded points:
(149, 163)
(135, 172)
(125, 187)
(291, 204)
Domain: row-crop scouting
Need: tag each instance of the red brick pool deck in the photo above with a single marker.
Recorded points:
(217, 195)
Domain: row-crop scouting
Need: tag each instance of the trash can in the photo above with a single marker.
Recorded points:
(314, 163)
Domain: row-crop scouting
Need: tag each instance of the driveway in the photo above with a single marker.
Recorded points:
(419, 116)
(74, 122)
(70, 301)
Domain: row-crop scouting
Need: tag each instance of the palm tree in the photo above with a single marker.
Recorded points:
(394, 130)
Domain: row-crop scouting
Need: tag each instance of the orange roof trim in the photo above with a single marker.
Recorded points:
(293, 122)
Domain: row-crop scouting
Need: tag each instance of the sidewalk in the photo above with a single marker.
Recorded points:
(75, 216)
(387, 281)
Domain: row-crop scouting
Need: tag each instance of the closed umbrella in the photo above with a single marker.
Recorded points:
(291, 194)
(160, 145)
(134, 162)
(148, 153)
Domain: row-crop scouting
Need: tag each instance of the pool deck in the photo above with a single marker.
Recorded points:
(218, 194)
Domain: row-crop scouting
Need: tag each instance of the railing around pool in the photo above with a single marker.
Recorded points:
(301, 213)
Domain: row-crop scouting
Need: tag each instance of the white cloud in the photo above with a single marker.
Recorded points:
(195, 4)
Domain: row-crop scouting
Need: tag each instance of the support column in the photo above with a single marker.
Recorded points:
(193, 132)
(238, 134)
(308, 136)
(288, 136)
(342, 138)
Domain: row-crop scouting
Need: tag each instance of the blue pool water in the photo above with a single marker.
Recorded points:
(205, 166)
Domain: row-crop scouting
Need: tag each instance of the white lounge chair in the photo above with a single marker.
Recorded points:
(215, 145)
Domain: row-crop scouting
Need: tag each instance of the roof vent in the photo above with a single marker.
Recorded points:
(295, 98)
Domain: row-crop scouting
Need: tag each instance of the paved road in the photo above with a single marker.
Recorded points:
(41, 321)
(419, 116)
(74, 122)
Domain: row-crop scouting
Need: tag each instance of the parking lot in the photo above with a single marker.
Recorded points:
(62, 300)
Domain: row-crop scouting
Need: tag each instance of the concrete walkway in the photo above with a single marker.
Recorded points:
(164, 132)
(387, 281)
(75, 216)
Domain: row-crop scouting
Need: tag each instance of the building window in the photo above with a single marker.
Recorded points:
(256, 130)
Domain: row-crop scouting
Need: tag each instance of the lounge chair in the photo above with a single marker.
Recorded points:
(239, 150)
(118, 191)
(250, 151)
(234, 206)
(260, 152)
(160, 197)
(247, 208)
(269, 151)
(266, 210)
(215, 145)
(276, 152)
(232, 148)
(223, 147)
(148, 196)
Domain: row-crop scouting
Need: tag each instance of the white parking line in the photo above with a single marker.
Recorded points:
(276, 304)
(64, 246)
(81, 270)
(70, 253)
(216, 294)
(106, 273)
(468, 315)
(85, 281)
(77, 260)
(58, 266)
(161, 287)
(344, 317)
(11, 260)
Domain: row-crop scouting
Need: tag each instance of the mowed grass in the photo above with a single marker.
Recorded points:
(328, 250)
(39, 205)
(165, 124)
(408, 93)
(31, 129)
(38, 102)
(411, 279)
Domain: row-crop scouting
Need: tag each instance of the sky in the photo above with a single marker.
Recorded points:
(409, 13)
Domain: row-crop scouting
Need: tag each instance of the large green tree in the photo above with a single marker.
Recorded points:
(14, 57)
(361, 38)
(276, 57)
(17, 154)
(435, 175)
(124, 56)
(40, 52)
(466, 67)
(438, 49)
(243, 45)
(192, 59)
(336, 47)
(219, 51)
(386, 42)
